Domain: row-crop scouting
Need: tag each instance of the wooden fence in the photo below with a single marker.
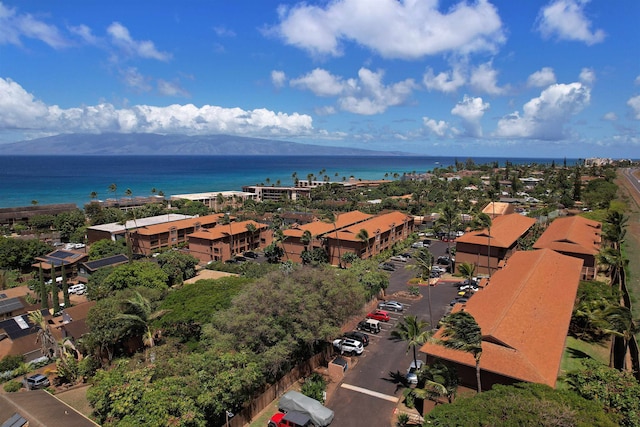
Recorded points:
(276, 390)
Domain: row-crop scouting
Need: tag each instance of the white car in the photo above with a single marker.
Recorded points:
(412, 372)
(391, 306)
(78, 289)
(399, 258)
(348, 345)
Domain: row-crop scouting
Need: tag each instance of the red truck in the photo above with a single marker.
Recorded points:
(290, 419)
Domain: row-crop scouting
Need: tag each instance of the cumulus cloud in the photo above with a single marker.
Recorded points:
(278, 78)
(484, 78)
(588, 76)
(393, 29)
(542, 78)
(438, 127)
(320, 82)
(634, 103)
(135, 80)
(566, 20)
(471, 111)
(365, 95)
(445, 81)
(121, 38)
(546, 116)
(15, 26)
(610, 116)
(19, 110)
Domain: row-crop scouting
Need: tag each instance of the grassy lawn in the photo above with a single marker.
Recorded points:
(577, 350)
(77, 399)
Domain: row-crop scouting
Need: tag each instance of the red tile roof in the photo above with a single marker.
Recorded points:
(379, 223)
(220, 231)
(573, 234)
(164, 227)
(318, 228)
(505, 231)
(524, 314)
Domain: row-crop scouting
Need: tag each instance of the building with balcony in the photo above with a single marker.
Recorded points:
(224, 241)
(577, 237)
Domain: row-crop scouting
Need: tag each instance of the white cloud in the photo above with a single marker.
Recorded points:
(370, 96)
(85, 34)
(545, 117)
(320, 82)
(637, 80)
(447, 82)
(610, 116)
(394, 29)
(566, 20)
(171, 88)
(365, 95)
(587, 76)
(19, 110)
(471, 111)
(135, 80)
(278, 78)
(438, 127)
(144, 49)
(634, 103)
(484, 78)
(542, 78)
(222, 31)
(15, 26)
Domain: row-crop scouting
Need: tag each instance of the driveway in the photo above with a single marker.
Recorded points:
(370, 391)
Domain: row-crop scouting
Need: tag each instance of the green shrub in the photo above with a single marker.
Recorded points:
(12, 386)
(314, 387)
(9, 363)
(414, 290)
(403, 420)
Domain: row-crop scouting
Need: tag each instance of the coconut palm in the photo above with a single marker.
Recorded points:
(460, 331)
(363, 236)
(113, 188)
(139, 314)
(618, 321)
(424, 262)
(449, 220)
(614, 228)
(331, 218)
(305, 239)
(480, 222)
(440, 380)
(48, 344)
(93, 195)
(414, 332)
(614, 262)
(251, 229)
(467, 270)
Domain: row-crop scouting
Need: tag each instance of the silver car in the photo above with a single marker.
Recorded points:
(391, 306)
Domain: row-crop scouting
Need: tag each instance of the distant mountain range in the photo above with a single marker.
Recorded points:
(154, 144)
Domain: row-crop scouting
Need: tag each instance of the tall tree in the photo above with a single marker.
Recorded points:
(113, 188)
(424, 262)
(251, 229)
(414, 332)
(482, 221)
(65, 288)
(44, 293)
(467, 270)
(460, 331)
(48, 344)
(449, 220)
(139, 314)
(55, 295)
(363, 236)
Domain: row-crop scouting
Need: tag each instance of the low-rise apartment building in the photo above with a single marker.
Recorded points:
(577, 237)
(152, 238)
(223, 241)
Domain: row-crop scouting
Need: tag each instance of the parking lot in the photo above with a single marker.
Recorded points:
(372, 388)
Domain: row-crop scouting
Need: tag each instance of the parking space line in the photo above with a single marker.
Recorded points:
(371, 393)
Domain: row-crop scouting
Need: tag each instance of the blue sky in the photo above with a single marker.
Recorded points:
(506, 78)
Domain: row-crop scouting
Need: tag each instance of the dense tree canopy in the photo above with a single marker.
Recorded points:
(520, 405)
(106, 248)
(19, 254)
(141, 273)
(177, 265)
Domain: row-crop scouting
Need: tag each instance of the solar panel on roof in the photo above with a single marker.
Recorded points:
(14, 330)
(99, 263)
(54, 261)
(61, 254)
(9, 305)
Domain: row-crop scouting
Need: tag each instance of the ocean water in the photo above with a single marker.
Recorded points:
(71, 179)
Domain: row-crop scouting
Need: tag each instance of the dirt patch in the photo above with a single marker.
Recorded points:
(76, 397)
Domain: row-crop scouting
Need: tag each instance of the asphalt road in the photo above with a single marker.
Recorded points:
(628, 173)
(372, 387)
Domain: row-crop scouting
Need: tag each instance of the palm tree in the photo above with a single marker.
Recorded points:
(614, 228)
(363, 236)
(467, 270)
(482, 221)
(460, 331)
(330, 217)
(251, 229)
(65, 289)
(424, 262)
(113, 188)
(440, 381)
(139, 314)
(413, 331)
(93, 195)
(449, 220)
(618, 321)
(615, 263)
(48, 344)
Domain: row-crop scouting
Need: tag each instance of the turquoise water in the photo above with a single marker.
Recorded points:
(71, 179)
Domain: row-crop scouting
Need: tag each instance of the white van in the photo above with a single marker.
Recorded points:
(78, 289)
